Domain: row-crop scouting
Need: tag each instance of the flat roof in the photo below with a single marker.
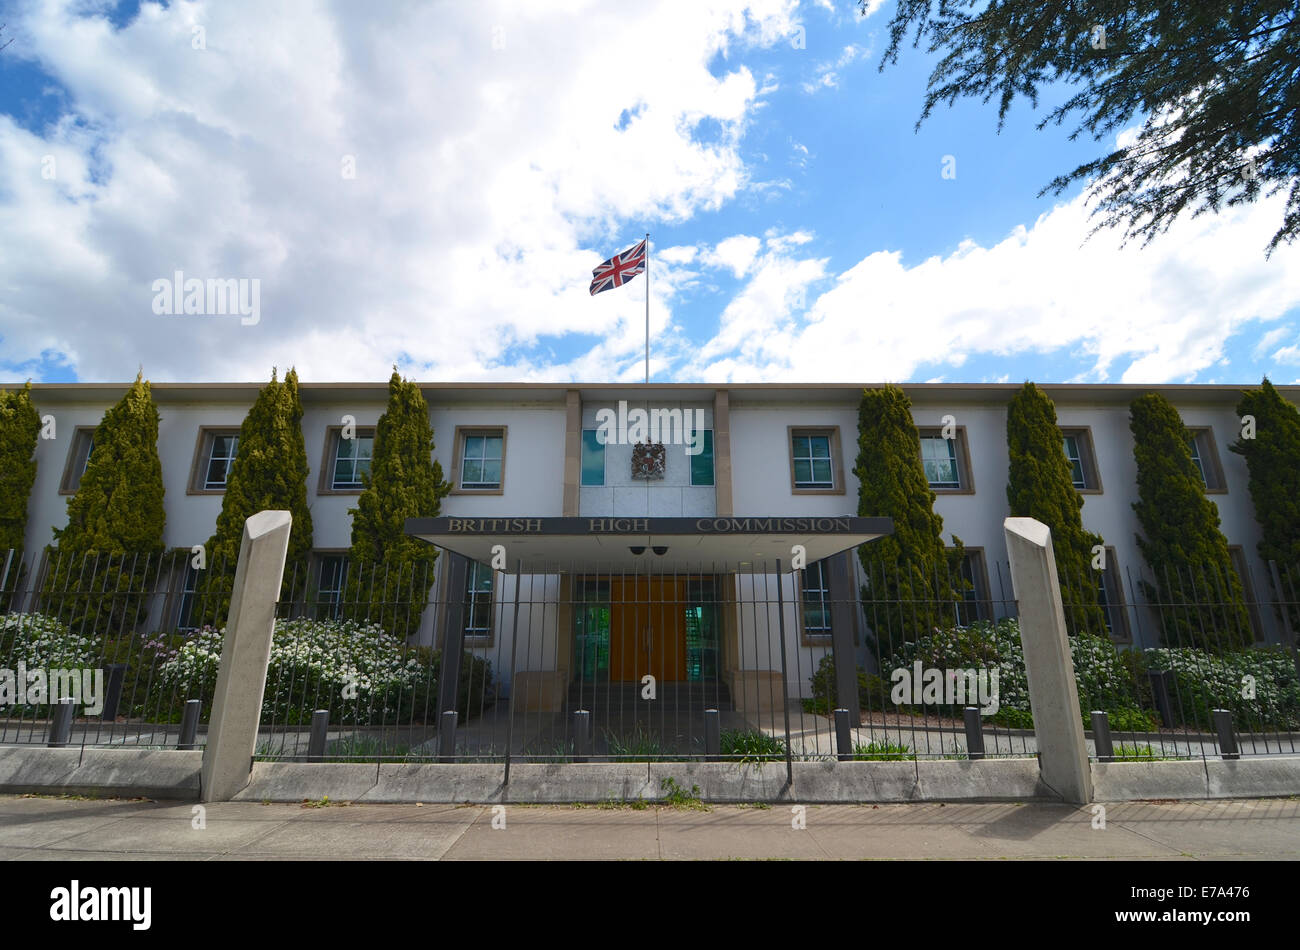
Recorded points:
(550, 393)
(648, 545)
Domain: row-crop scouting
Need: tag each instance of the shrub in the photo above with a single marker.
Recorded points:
(313, 663)
(1203, 682)
(873, 692)
(38, 641)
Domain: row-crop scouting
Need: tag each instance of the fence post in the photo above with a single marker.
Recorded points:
(1101, 736)
(61, 722)
(1053, 693)
(320, 724)
(974, 732)
(189, 725)
(843, 736)
(712, 736)
(1227, 735)
(241, 679)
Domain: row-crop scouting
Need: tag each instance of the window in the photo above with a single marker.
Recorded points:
(815, 595)
(814, 461)
(347, 459)
(974, 604)
(83, 441)
(213, 457)
(1110, 597)
(1206, 458)
(331, 579)
(702, 464)
(1083, 463)
(185, 605)
(593, 458)
(1239, 564)
(478, 600)
(480, 461)
(946, 462)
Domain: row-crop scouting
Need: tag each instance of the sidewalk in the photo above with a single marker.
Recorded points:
(55, 829)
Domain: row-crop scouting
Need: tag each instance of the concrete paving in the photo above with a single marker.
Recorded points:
(57, 829)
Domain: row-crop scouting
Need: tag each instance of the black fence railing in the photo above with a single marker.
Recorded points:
(634, 662)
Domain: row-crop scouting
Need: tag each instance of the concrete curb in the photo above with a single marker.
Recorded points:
(1197, 779)
(142, 773)
(169, 774)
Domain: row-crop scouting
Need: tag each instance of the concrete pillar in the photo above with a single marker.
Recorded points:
(1053, 695)
(241, 680)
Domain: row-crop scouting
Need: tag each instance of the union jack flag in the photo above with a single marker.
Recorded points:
(619, 269)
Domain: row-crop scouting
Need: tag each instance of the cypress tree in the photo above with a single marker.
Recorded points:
(1271, 447)
(389, 572)
(909, 588)
(1198, 594)
(113, 540)
(1040, 486)
(20, 426)
(269, 472)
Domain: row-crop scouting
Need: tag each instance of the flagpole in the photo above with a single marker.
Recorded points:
(647, 308)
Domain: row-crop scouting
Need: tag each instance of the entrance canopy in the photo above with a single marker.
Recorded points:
(540, 545)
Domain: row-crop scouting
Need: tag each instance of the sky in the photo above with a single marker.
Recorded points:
(429, 185)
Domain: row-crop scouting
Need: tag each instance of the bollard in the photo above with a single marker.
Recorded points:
(320, 723)
(843, 736)
(1105, 748)
(974, 733)
(581, 735)
(61, 723)
(447, 735)
(1227, 737)
(1160, 696)
(115, 675)
(189, 726)
(712, 736)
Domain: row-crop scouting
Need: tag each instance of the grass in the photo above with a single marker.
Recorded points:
(366, 748)
(678, 797)
(750, 745)
(1137, 753)
(640, 745)
(881, 751)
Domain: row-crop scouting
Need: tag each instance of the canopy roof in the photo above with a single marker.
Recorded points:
(659, 545)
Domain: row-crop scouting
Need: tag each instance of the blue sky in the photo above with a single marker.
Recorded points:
(802, 229)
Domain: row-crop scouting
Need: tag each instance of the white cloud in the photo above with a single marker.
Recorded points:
(1138, 315)
(491, 176)
(738, 252)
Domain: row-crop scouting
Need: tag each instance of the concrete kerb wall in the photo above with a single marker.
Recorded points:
(168, 774)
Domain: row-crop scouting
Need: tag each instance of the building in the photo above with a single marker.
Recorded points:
(586, 596)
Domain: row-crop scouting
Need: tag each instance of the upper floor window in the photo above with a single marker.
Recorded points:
(946, 461)
(1206, 458)
(702, 464)
(814, 460)
(1083, 466)
(83, 442)
(1110, 597)
(481, 459)
(350, 458)
(593, 458)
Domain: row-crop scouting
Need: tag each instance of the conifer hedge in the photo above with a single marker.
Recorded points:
(269, 473)
(909, 590)
(389, 572)
(1270, 443)
(1196, 591)
(1040, 486)
(108, 555)
(20, 427)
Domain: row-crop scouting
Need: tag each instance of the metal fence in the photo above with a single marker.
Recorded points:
(616, 663)
(1205, 668)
